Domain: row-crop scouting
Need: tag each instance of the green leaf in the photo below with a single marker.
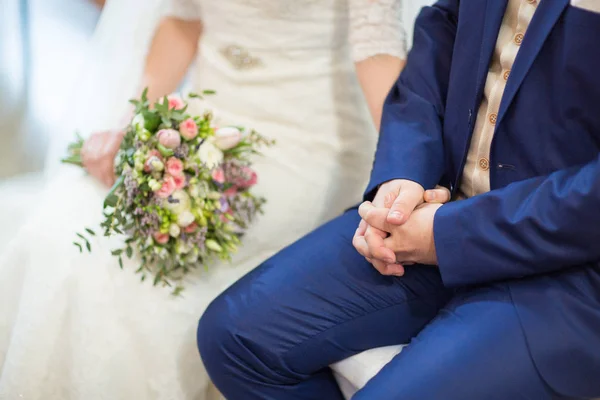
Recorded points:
(208, 92)
(73, 160)
(79, 246)
(145, 94)
(91, 232)
(129, 251)
(144, 187)
(112, 199)
(165, 152)
(194, 96)
(88, 246)
(120, 262)
(81, 236)
(117, 252)
(151, 120)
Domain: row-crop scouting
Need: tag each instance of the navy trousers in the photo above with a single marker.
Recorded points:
(273, 334)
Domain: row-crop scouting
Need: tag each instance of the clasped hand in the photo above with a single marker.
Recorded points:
(397, 227)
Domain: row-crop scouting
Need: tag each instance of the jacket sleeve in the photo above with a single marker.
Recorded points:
(410, 143)
(530, 227)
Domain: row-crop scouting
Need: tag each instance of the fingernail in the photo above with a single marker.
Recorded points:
(390, 261)
(431, 195)
(396, 214)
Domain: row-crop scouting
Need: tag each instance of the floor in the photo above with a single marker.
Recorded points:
(35, 75)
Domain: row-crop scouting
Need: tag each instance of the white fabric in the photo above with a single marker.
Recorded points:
(376, 29)
(354, 372)
(589, 5)
(73, 326)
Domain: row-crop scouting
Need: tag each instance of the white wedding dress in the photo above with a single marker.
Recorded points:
(75, 326)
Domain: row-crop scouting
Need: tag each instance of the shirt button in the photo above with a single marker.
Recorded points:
(506, 74)
(484, 164)
(493, 118)
(518, 39)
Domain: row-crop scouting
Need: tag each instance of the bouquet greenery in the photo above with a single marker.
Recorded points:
(183, 195)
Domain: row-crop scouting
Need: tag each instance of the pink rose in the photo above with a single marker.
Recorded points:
(227, 138)
(161, 238)
(169, 138)
(179, 180)
(191, 228)
(249, 178)
(232, 191)
(188, 129)
(218, 175)
(174, 166)
(175, 102)
(167, 188)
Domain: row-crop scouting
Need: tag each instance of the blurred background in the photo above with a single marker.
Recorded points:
(42, 46)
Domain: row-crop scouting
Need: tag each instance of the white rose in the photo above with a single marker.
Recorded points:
(181, 202)
(227, 137)
(138, 122)
(174, 230)
(210, 155)
(182, 247)
(154, 184)
(194, 191)
(157, 165)
(185, 218)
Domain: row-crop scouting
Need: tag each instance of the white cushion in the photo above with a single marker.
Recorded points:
(353, 373)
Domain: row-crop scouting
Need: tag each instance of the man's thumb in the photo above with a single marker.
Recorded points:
(404, 205)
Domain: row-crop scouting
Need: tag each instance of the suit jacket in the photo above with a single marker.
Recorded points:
(539, 227)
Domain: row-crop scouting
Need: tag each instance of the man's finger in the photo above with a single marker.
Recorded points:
(359, 243)
(389, 200)
(376, 217)
(438, 195)
(408, 199)
(362, 228)
(394, 269)
(374, 238)
(379, 266)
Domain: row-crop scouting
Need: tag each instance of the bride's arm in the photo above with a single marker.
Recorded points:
(377, 38)
(171, 52)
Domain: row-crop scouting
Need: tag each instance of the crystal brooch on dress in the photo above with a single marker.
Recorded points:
(240, 58)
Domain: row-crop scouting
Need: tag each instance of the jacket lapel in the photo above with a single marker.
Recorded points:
(494, 12)
(544, 19)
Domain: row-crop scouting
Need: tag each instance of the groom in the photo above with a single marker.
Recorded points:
(500, 102)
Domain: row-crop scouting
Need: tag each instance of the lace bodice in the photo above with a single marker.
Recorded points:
(364, 27)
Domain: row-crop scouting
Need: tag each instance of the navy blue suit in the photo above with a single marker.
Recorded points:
(514, 309)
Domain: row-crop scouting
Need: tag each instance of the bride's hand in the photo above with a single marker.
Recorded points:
(98, 155)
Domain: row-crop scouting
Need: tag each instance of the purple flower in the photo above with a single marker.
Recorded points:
(131, 188)
(182, 151)
(224, 204)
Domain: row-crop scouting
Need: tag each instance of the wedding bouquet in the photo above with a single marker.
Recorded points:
(183, 191)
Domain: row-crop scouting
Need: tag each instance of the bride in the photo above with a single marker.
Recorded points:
(74, 326)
